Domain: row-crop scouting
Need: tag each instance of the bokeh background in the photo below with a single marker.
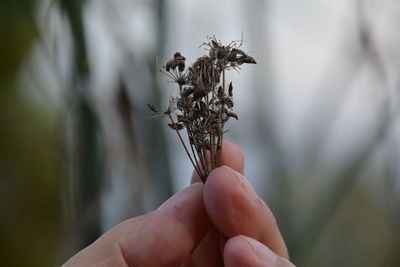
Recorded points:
(318, 120)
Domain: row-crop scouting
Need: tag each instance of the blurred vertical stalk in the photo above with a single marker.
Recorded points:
(29, 163)
(87, 154)
(134, 164)
(159, 157)
(334, 197)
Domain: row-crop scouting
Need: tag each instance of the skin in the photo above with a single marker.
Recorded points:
(220, 223)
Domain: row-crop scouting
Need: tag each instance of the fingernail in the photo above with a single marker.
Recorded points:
(261, 251)
(238, 175)
(243, 182)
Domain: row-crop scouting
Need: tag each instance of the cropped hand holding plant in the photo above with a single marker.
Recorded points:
(220, 223)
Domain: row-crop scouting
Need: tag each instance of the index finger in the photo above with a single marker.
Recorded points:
(164, 237)
(235, 209)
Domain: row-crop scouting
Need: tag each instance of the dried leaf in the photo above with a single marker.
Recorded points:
(247, 59)
(231, 114)
(175, 126)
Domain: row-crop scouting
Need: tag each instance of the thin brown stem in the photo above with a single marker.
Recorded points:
(220, 128)
(190, 133)
(184, 146)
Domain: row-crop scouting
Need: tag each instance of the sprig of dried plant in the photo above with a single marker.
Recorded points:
(205, 101)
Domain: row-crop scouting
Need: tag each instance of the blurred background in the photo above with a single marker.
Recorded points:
(318, 120)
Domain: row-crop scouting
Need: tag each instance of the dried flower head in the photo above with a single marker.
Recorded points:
(205, 101)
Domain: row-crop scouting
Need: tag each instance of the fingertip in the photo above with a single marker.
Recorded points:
(244, 251)
(219, 179)
(235, 209)
(225, 201)
(232, 156)
(193, 191)
(195, 177)
(236, 252)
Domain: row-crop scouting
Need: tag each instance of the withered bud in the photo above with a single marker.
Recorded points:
(230, 89)
(199, 93)
(175, 126)
(178, 56)
(220, 92)
(152, 108)
(188, 91)
(247, 60)
(231, 114)
(228, 102)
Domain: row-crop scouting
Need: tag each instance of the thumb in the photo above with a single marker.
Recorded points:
(164, 237)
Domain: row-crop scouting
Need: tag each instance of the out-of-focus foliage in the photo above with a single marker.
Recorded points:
(29, 159)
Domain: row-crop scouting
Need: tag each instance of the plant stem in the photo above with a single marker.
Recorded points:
(221, 133)
(186, 150)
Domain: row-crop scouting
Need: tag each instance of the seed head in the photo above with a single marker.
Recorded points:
(204, 102)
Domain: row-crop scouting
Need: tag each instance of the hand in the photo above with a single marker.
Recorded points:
(221, 223)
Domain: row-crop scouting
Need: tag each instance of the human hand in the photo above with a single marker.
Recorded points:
(221, 223)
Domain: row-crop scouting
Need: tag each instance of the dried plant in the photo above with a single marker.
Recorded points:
(204, 103)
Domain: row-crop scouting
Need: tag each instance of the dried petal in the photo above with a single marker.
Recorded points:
(175, 126)
(183, 119)
(230, 89)
(214, 43)
(171, 64)
(220, 92)
(232, 55)
(199, 93)
(228, 102)
(152, 108)
(178, 56)
(247, 59)
(231, 114)
(188, 91)
(181, 66)
(203, 106)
